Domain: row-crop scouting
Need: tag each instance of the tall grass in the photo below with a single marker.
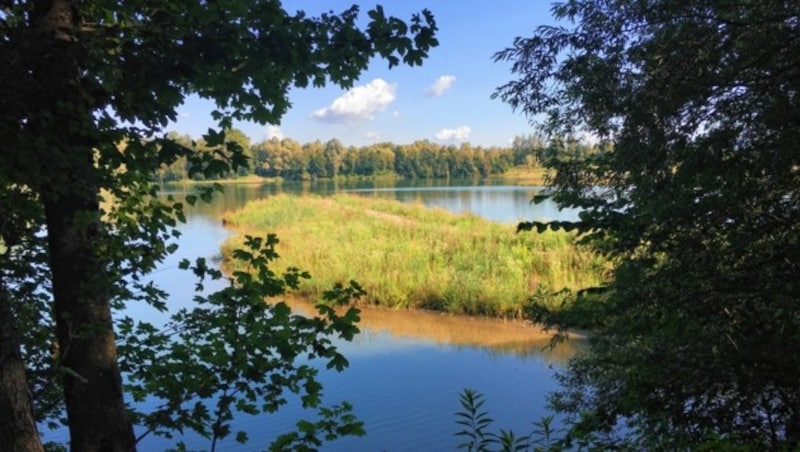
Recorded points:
(522, 175)
(409, 256)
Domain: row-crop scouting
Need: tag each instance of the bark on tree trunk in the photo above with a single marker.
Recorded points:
(92, 383)
(81, 287)
(17, 425)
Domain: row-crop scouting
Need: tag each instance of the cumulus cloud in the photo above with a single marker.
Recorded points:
(396, 114)
(273, 131)
(457, 134)
(359, 104)
(373, 136)
(442, 84)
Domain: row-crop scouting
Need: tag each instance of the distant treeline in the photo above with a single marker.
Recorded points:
(290, 160)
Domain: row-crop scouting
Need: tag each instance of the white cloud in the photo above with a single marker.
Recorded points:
(457, 134)
(184, 114)
(273, 131)
(442, 84)
(396, 114)
(359, 104)
(374, 136)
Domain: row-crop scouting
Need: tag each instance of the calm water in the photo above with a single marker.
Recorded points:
(406, 370)
(492, 199)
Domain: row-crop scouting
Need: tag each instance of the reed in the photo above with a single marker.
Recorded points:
(408, 256)
(522, 175)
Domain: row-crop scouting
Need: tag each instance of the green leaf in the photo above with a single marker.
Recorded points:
(241, 437)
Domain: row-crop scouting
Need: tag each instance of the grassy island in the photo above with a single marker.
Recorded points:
(409, 256)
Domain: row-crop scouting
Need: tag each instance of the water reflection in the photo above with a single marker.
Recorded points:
(496, 335)
(490, 199)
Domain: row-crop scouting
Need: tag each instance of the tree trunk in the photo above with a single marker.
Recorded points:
(81, 282)
(17, 425)
(92, 382)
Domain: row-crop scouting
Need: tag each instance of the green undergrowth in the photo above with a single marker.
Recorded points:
(409, 256)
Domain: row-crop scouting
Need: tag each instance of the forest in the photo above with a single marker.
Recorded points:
(289, 160)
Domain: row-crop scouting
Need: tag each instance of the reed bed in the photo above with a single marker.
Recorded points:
(408, 256)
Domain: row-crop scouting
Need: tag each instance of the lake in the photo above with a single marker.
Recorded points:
(406, 368)
(493, 199)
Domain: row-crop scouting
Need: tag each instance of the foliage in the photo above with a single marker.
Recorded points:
(407, 255)
(86, 90)
(233, 353)
(692, 192)
(421, 159)
(479, 438)
(474, 421)
(287, 159)
(526, 149)
(336, 421)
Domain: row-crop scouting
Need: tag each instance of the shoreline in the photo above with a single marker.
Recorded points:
(515, 335)
(520, 175)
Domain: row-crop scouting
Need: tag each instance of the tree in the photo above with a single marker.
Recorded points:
(314, 153)
(334, 151)
(243, 142)
(177, 170)
(525, 150)
(693, 191)
(78, 79)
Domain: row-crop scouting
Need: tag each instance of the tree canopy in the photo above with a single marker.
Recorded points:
(289, 160)
(694, 194)
(86, 89)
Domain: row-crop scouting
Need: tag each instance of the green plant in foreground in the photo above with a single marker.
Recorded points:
(474, 421)
(693, 193)
(577, 434)
(235, 353)
(479, 438)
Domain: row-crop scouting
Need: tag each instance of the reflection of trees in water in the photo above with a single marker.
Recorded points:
(487, 201)
(233, 197)
(236, 195)
(496, 336)
(539, 349)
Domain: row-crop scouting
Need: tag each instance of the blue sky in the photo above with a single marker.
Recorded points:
(446, 100)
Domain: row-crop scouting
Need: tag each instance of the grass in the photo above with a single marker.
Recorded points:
(523, 175)
(409, 256)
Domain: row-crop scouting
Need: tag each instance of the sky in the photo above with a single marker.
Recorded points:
(446, 100)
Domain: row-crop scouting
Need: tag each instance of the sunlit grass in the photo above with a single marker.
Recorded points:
(409, 256)
(522, 175)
